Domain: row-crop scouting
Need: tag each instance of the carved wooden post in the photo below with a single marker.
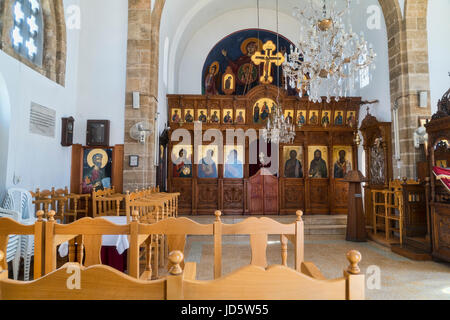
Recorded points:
(175, 277)
(217, 245)
(299, 241)
(50, 248)
(38, 247)
(355, 280)
(3, 273)
(133, 251)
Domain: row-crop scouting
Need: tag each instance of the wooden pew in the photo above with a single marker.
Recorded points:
(11, 227)
(259, 229)
(76, 282)
(257, 283)
(177, 230)
(106, 203)
(88, 233)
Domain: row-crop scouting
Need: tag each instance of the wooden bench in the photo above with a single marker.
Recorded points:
(107, 203)
(76, 282)
(11, 227)
(87, 233)
(99, 282)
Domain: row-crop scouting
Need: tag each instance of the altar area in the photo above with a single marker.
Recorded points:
(308, 173)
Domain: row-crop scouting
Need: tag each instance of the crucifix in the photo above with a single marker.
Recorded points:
(268, 58)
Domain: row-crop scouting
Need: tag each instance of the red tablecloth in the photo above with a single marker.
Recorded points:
(112, 258)
(443, 175)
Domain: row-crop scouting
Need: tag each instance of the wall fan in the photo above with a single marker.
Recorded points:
(420, 137)
(141, 131)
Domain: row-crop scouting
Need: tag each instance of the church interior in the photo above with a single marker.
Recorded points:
(224, 150)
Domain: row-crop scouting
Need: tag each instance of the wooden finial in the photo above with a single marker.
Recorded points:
(135, 215)
(218, 214)
(51, 216)
(40, 215)
(2, 256)
(354, 257)
(176, 258)
(299, 214)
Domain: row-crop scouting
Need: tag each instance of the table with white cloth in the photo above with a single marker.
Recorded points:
(114, 247)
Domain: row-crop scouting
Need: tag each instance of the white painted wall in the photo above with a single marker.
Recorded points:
(438, 49)
(95, 89)
(102, 67)
(5, 117)
(35, 160)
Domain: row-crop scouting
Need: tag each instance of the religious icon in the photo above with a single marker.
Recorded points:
(342, 159)
(240, 117)
(267, 59)
(176, 115)
(211, 79)
(244, 68)
(182, 161)
(234, 160)
(288, 116)
(325, 118)
(215, 116)
(96, 170)
(228, 81)
(301, 120)
(262, 110)
(441, 163)
(188, 116)
(314, 117)
(293, 157)
(207, 167)
(351, 119)
(202, 115)
(318, 167)
(228, 118)
(265, 112)
(339, 118)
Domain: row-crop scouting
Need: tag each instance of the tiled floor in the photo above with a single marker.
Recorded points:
(400, 278)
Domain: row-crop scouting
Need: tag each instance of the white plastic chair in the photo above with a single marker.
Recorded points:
(20, 200)
(14, 246)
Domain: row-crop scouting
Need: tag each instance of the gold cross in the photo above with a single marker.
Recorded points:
(268, 59)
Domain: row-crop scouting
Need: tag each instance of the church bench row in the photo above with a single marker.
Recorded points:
(88, 232)
(99, 282)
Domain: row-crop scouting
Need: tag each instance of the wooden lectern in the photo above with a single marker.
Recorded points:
(356, 224)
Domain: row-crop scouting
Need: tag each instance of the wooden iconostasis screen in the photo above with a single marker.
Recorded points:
(310, 170)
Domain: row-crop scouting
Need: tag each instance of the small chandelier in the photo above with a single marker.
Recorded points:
(278, 129)
(328, 57)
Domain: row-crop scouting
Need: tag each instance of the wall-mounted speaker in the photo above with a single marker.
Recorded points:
(136, 100)
(423, 98)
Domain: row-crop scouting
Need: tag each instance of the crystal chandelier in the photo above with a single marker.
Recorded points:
(278, 129)
(328, 57)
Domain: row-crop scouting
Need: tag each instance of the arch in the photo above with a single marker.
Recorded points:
(54, 55)
(5, 120)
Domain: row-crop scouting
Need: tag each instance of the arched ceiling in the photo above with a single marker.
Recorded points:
(181, 19)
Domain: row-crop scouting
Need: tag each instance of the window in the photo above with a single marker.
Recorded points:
(365, 77)
(27, 32)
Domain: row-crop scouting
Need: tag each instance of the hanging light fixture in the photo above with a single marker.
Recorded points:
(328, 57)
(278, 129)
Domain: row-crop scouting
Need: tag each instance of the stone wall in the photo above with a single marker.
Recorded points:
(409, 74)
(142, 76)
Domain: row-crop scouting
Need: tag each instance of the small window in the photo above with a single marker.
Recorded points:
(364, 77)
(27, 32)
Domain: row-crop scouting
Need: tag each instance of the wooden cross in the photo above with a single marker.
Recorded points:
(268, 58)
